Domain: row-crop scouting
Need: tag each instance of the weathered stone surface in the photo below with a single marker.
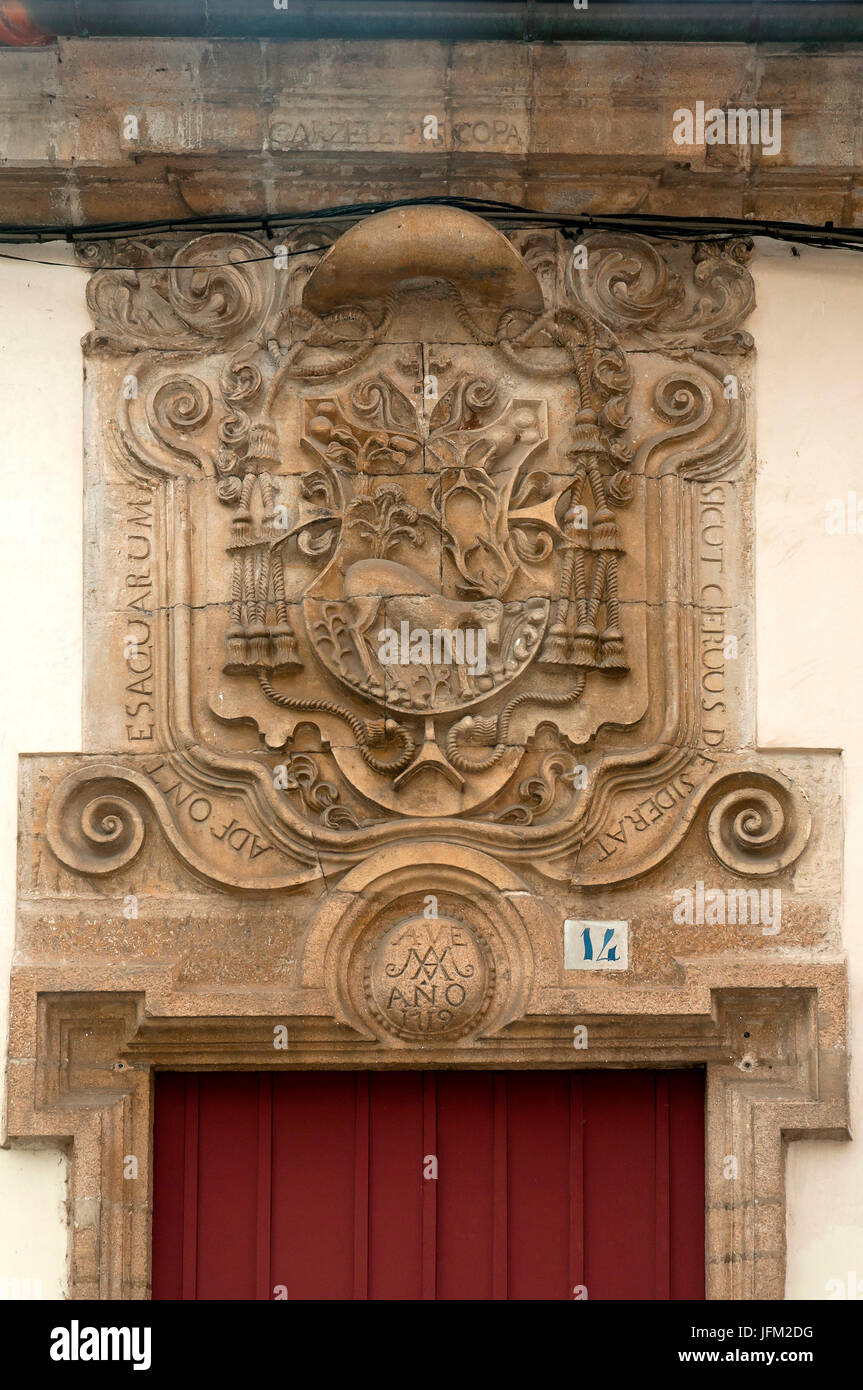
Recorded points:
(431, 425)
(112, 129)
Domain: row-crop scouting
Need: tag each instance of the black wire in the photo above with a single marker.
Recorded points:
(511, 215)
(214, 265)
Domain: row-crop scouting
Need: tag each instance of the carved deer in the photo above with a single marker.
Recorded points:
(410, 598)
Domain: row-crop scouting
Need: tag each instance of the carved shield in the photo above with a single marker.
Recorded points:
(428, 542)
(446, 515)
(422, 504)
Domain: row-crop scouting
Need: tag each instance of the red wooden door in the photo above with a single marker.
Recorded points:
(320, 1185)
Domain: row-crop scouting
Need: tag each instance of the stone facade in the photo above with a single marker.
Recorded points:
(414, 423)
(246, 127)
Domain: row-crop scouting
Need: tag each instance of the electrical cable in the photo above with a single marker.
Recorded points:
(502, 214)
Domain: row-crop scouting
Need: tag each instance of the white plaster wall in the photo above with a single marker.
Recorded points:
(809, 332)
(42, 320)
(809, 591)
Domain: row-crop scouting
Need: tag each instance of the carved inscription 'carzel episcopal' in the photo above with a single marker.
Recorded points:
(496, 133)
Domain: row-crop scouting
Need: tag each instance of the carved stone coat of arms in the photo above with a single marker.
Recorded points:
(438, 521)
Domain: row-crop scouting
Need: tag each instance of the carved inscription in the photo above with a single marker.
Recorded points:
(429, 978)
(201, 810)
(139, 705)
(712, 505)
(496, 132)
(644, 814)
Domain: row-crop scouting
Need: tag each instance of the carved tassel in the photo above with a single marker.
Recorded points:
(259, 646)
(612, 656)
(235, 642)
(268, 498)
(585, 436)
(604, 534)
(285, 654)
(263, 451)
(260, 651)
(235, 646)
(556, 649)
(584, 645)
(242, 528)
(583, 648)
(586, 642)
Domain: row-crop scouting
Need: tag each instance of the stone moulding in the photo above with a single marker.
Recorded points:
(774, 1057)
(416, 421)
(758, 823)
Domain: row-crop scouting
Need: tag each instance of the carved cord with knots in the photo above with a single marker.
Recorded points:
(258, 577)
(602, 382)
(484, 731)
(327, 332)
(561, 326)
(372, 733)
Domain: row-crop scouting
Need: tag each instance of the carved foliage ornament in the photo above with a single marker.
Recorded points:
(427, 515)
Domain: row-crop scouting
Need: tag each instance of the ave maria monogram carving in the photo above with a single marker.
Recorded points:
(442, 539)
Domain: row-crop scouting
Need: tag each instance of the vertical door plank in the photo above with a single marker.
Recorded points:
(662, 1196)
(429, 1190)
(500, 1189)
(169, 1137)
(619, 1185)
(539, 1182)
(396, 1151)
(361, 1189)
(576, 1182)
(227, 1173)
(466, 1186)
(263, 1214)
(314, 1133)
(687, 1184)
(190, 1189)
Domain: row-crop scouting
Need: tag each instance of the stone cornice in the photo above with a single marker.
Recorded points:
(584, 126)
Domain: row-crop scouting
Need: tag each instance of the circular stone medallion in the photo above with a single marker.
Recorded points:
(428, 979)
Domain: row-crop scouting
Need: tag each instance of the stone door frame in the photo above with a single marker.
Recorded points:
(82, 1067)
